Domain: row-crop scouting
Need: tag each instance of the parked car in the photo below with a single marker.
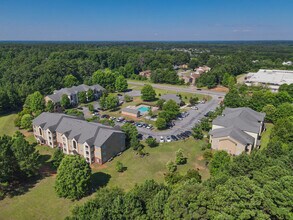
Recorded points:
(189, 133)
(140, 136)
(198, 89)
(168, 139)
(179, 136)
(174, 138)
(149, 137)
(80, 108)
(162, 139)
(105, 116)
(194, 108)
(120, 119)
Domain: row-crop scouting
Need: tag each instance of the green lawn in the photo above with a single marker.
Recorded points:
(266, 135)
(41, 202)
(7, 124)
(152, 166)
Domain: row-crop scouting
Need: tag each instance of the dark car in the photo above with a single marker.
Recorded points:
(188, 133)
(179, 136)
(174, 138)
(139, 136)
(149, 137)
(105, 116)
(80, 108)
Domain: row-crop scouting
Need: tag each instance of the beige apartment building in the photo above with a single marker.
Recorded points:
(237, 130)
(97, 143)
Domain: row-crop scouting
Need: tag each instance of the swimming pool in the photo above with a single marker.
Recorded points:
(143, 109)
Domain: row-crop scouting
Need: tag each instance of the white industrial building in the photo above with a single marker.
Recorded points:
(269, 78)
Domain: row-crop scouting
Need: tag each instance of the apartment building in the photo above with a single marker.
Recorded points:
(237, 130)
(97, 143)
(72, 93)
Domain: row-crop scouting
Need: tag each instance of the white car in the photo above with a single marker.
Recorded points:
(168, 139)
(162, 139)
(194, 108)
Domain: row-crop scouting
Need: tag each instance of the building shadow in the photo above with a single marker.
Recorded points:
(100, 179)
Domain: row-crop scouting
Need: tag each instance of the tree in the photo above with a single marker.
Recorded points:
(9, 167)
(171, 166)
(180, 158)
(128, 98)
(65, 102)
(233, 99)
(270, 111)
(193, 174)
(148, 93)
(105, 78)
(155, 208)
(171, 110)
(121, 84)
(161, 123)
(91, 107)
(193, 100)
(90, 95)
(219, 162)
(283, 111)
(151, 142)
(197, 133)
(35, 102)
(26, 121)
(50, 106)
(26, 155)
(109, 102)
(82, 97)
(160, 103)
(73, 179)
(131, 133)
(57, 158)
(70, 80)
(119, 167)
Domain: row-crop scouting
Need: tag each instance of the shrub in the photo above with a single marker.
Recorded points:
(180, 158)
(171, 166)
(151, 142)
(119, 167)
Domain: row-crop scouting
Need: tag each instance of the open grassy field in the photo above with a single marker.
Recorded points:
(7, 124)
(41, 202)
(266, 135)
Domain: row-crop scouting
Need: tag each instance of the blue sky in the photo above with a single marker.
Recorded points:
(175, 20)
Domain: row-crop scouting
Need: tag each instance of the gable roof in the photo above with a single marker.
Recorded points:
(74, 128)
(174, 97)
(234, 133)
(245, 119)
(130, 110)
(57, 95)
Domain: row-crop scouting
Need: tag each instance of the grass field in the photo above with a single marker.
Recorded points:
(266, 135)
(7, 124)
(41, 202)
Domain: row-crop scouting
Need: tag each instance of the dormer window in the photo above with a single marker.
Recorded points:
(74, 144)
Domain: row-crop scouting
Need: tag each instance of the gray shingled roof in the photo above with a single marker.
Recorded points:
(130, 110)
(174, 97)
(56, 97)
(234, 133)
(82, 131)
(243, 118)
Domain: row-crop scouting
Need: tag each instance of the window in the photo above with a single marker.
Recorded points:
(74, 144)
(40, 131)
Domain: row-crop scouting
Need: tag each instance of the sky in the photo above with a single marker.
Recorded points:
(145, 20)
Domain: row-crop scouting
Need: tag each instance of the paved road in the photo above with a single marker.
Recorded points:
(194, 115)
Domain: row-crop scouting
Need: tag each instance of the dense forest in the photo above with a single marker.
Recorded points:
(29, 67)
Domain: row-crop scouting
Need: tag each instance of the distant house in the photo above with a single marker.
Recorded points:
(72, 93)
(132, 112)
(237, 130)
(146, 73)
(173, 97)
(97, 143)
(287, 63)
(190, 76)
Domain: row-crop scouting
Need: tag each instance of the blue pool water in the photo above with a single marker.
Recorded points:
(143, 109)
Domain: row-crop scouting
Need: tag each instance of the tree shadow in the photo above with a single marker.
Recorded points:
(25, 184)
(100, 179)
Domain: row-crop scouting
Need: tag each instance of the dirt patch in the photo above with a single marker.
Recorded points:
(199, 167)
(200, 158)
(26, 133)
(220, 89)
(98, 167)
